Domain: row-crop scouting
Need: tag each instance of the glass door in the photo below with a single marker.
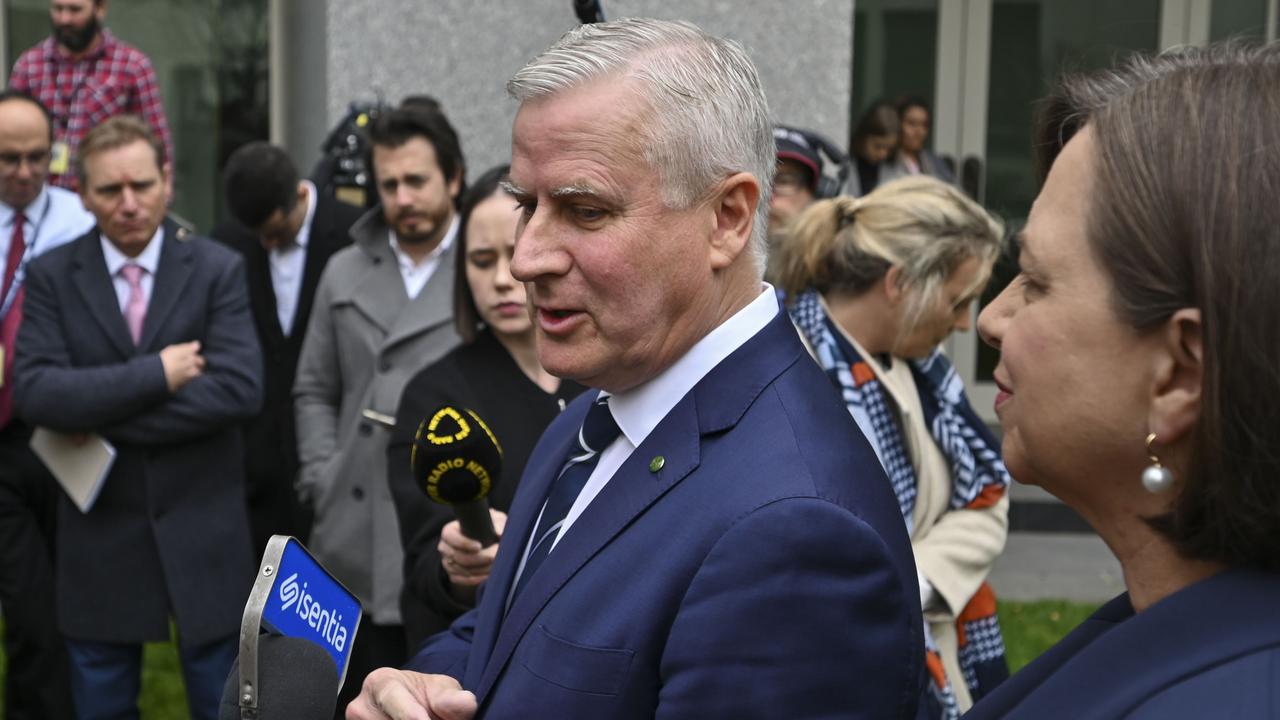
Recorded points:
(1005, 55)
(996, 58)
(211, 59)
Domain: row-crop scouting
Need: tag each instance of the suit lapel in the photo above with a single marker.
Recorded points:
(535, 483)
(432, 307)
(94, 285)
(631, 490)
(262, 293)
(320, 246)
(172, 273)
(1177, 637)
(715, 404)
(379, 295)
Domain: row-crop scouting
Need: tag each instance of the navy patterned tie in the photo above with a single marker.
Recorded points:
(598, 431)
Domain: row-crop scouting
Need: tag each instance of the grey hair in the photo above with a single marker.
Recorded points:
(709, 118)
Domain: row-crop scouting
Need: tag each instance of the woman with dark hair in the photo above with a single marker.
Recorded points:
(876, 284)
(1138, 381)
(912, 157)
(874, 139)
(496, 373)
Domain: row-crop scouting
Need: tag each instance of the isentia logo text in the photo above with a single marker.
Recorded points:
(326, 623)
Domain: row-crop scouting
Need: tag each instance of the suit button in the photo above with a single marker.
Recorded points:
(385, 366)
(366, 429)
(357, 493)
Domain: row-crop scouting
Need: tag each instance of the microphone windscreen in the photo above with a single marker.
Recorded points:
(297, 680)
(455, 456)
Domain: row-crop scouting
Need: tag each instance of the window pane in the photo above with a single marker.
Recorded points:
(211, 60)
(1231, 18)
(895, 49)
(1032, 43)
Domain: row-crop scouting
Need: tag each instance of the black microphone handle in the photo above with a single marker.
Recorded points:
(477, 524)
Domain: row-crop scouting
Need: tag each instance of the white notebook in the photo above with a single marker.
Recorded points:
(79, 467)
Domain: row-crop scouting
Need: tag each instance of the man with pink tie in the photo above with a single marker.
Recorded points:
(140, 333)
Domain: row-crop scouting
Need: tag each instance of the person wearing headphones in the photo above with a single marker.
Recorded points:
(799, 180)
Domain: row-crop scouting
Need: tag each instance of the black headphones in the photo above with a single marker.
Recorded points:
(827, 186)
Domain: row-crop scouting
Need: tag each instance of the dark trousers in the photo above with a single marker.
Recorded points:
(376, 646)
(37, 685)
(107, 677)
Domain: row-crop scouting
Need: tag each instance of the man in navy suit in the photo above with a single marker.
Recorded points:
(140, 332)
(709, 536)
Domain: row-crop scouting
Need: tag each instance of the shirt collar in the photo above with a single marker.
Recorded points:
(445, 243)
(304, 232)
(639, 410)
(35, 208)
(148, 259)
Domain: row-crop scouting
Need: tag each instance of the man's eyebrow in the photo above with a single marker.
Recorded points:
(576, 190)
(573, 190)
(512, 189)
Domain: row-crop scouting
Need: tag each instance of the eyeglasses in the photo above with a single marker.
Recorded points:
(37, 159)
(789, 183)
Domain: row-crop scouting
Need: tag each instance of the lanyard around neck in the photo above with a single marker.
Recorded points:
(11, 295)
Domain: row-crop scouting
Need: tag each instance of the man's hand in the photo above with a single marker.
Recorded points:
(182, 364)
(466, 563)
(390, 694)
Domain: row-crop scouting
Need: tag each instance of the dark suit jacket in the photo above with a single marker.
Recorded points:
(1211, 650)
(168, 532)
(762, 571)
(271, 446)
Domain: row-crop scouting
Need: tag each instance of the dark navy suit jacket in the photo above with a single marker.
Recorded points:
(1211, 650)
(763, 571)
(168, 535)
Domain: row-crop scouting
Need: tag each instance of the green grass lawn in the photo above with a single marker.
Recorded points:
(1029, 629)
(163, 697)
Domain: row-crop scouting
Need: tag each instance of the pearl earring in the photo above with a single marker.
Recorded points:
(1156, 478)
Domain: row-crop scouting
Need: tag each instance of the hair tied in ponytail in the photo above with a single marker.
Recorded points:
(847, 211)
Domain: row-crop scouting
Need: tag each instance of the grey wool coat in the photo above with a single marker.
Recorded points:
(364, 341)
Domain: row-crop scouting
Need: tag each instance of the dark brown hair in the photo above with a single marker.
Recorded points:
(1184, 214)
(879, 120)
(466, 318)
(116, 132)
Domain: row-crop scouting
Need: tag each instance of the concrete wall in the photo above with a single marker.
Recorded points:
(463, 52)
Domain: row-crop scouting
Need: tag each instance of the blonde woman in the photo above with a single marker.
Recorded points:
(877, 283)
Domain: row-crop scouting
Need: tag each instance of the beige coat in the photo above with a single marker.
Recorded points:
(954, 550)
(365, 340)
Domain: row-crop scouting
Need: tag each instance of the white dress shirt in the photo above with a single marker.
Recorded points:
(416, 275)
(639, 410)
(148, 259)
(287, 264)
(54, 218)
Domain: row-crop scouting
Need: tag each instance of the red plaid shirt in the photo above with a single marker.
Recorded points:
(115, 79)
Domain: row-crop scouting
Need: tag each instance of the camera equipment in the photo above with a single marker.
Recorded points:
(343, 170)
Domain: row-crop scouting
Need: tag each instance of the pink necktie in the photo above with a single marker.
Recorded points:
(135, 310)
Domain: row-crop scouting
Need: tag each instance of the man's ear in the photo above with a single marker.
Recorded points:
(1179, 376)
(166, 173)
(455, 185)
(734, 206)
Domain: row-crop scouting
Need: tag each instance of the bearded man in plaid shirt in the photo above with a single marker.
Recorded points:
(84, 75)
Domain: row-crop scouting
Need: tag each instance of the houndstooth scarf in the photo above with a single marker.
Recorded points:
(978, 476)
